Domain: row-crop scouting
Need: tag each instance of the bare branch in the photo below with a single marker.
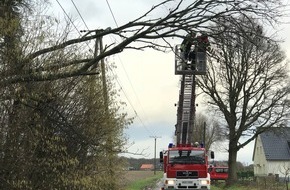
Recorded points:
(182, 16)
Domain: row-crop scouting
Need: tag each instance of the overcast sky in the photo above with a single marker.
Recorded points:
(147, 78)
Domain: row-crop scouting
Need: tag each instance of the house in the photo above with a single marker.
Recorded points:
(271, 154)
(147, 167)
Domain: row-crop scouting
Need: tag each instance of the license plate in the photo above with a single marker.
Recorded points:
(187, 182)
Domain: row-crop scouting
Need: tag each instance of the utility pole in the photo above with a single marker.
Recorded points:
(109, 140)
(155, 137)
(99, 50)
(204, 134)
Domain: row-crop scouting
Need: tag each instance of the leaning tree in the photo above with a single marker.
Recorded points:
(181, 16)
(54, 134)
(247, 83)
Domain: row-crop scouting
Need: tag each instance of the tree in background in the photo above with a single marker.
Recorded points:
(247, 83)
(208, 128)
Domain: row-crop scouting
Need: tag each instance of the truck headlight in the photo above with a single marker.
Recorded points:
(204, 182)
(169, 182)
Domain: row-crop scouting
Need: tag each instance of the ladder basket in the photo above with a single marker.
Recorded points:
(193, 67)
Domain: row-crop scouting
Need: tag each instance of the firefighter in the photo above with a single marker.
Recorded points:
(196, 144)
(186, 44)
(201, 46)
(191, 58)
(202, 43)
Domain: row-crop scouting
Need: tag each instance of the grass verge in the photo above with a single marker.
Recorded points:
(220, 185)
(235, 187)
(242, 185)
(146, 182)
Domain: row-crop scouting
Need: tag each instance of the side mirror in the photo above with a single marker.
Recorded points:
(212, 154)
(161, 157)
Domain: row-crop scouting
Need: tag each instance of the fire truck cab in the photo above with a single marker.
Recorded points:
(185, 167)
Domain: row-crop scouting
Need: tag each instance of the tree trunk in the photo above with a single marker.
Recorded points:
(232, 163)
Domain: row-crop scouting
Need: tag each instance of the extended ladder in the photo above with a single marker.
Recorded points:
(186, 110)
(186, 103)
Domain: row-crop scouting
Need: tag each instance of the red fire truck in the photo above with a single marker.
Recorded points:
(186, 163)
(218, 172)
(185, 167)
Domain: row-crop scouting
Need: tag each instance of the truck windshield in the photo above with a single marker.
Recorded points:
(186, 157)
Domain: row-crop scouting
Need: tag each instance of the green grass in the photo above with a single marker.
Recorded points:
(249, 186)
(242, 185)
(147, 182)
(220, 185)
(151, 182)
(235, 187)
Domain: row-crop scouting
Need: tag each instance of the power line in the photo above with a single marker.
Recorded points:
(80, 14)
(108, 65)
(126, 96)
(112, 13)
(90, 49)
(68, 16)
(129, 80)
(134, 91)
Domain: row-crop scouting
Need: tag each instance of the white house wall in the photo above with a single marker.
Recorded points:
(262, 167)
(260, 162)
(279, 167)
